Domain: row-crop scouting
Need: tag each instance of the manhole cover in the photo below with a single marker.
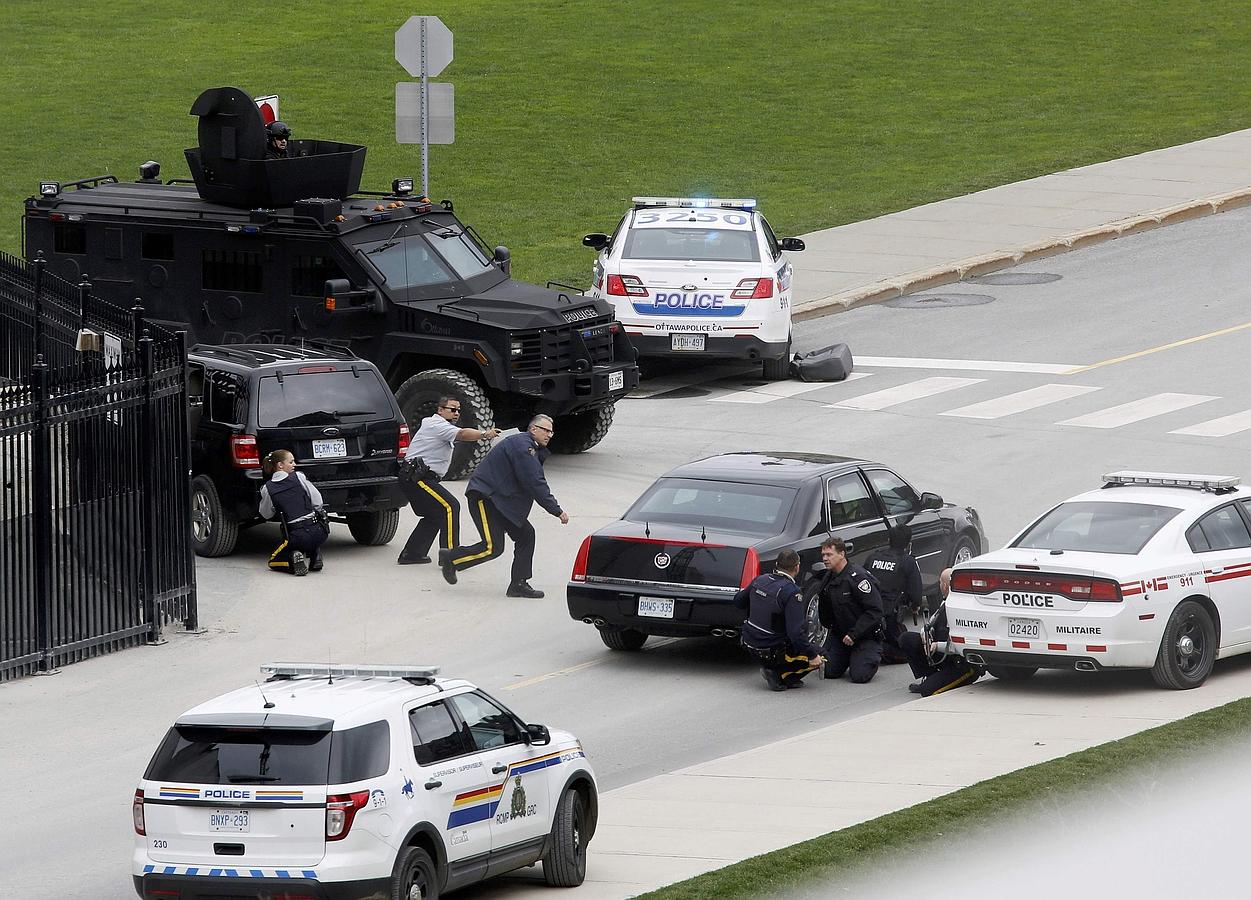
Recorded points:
(938, 301)
(1014, 278)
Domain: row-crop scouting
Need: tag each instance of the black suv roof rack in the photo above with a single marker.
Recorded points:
(268, 354)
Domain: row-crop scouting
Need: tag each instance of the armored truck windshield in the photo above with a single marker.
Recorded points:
(423, 253)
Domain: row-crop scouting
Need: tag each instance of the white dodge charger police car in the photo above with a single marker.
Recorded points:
(349, 781)
(1153, 571)
(706, 276)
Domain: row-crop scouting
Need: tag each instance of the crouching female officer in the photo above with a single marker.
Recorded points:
(296, 502)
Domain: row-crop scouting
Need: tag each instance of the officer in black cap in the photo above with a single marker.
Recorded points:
(899, 580)
(276, 136)
(775, 631)
(850, 606)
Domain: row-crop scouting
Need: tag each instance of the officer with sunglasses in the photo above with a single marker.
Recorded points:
(438, 512)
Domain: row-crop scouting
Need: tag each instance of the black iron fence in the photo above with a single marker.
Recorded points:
(95, 550)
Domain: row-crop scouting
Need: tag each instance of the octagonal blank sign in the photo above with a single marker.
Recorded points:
(438, 45)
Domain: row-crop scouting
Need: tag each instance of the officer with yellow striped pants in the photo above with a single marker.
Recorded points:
(438, 512)
(500, 495)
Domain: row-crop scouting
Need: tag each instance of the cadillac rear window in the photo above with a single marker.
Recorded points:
(1095, 527)
(322, 398)
(199, 754)
(719, 505)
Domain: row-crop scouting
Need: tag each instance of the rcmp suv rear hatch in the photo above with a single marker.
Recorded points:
(340, 421)
(243, 789)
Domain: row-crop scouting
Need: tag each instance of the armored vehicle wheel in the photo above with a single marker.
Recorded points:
(419, 395)
(565, 862)
(581, 431)
(1187, 649)
(373, 529)
(214, 531)
(622, 638)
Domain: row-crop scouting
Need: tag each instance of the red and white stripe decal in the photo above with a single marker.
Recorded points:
(1132, 588)
(1239, 571)
(957, 639)
(1062, 647)
(986, 642)
(1021, 645)
(1096, 648)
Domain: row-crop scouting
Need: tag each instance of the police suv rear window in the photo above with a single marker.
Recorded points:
(709, 244)
(1096, 527)
(200, 754)
(322, 398)
(721, 505)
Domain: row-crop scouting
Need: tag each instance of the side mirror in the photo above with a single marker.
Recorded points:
(849, 547)
(792, 244)
(342, 297)
(539, 734)
(504, 259)
(931, 501)
(596, 241)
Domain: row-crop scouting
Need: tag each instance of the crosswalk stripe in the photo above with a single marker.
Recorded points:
(1021, 401)
(781, 389)
(1137, 410)
(1222, 427)
(913, 390)
(970, 365)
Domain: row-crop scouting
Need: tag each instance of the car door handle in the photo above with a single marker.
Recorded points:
(498, 769)
(432, 784)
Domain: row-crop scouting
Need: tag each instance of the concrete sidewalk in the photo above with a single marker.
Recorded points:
(941, 243)
(671, 827)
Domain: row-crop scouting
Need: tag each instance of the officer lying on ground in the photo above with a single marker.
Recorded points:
(775, 630)
(851, 608)
(936, 668)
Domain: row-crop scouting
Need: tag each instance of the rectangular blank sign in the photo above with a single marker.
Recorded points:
(442, 100)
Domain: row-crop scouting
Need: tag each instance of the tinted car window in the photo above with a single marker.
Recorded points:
(360, 753)
(1097, 527)
(723, 505)
(458, 251)
(407, 261)
(212, 755)
(487, 725)
(1224, 529)
(226, 396)
(849, 500)
(771, 241)
(321, 398)
(436, 735)
(713, 244)
(897, 496)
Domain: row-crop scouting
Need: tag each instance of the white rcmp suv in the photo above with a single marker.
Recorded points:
(699, 276)
(351, 781)
(1153, 571)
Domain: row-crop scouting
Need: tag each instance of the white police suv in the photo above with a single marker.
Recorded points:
(704, 276)
(351, 781)
(1153, 571)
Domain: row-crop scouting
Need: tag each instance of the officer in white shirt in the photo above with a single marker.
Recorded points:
(437, 510)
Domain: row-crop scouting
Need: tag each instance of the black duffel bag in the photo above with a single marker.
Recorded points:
(832, 363)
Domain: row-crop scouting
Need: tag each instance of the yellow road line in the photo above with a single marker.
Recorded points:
(1141, 353)
(569, 670)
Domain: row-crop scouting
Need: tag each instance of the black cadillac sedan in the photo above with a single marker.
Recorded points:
(672, 564)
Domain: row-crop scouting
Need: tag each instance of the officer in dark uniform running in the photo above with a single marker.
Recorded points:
(775, 630)
(500, 494)
(936, 669)
(899, 581)
(851, 608)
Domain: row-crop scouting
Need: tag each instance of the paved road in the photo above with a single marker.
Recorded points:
(975, 430)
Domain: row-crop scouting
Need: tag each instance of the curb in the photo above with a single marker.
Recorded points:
(890, 288)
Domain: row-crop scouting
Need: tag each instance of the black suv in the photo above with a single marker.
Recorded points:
(330, 409)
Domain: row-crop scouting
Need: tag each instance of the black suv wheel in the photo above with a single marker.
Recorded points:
(373, 529)
(214, 531)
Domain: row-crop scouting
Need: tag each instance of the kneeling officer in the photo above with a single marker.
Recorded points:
(774, 632)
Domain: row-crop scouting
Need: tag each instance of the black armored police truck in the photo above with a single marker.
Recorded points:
(289, 250)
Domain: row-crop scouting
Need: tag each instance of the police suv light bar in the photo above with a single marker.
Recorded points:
(1169, 479)
(293, 670)
(697, 202)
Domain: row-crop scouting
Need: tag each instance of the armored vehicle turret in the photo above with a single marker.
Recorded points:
(284, 250)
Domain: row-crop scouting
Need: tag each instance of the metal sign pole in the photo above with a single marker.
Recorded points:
(425, 116)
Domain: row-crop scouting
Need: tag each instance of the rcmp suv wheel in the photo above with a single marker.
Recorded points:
(214, 531)
(1187, 649)
(415, 876)
(373, 529)
(419, 396)
(565, 863)
(581, 431)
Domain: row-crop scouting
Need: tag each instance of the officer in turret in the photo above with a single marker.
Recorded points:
(277, 134)
(899, 581)
(775, 632)
(850, 606)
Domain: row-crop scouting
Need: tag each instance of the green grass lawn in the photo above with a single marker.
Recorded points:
(872, 846)
(827, 112)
